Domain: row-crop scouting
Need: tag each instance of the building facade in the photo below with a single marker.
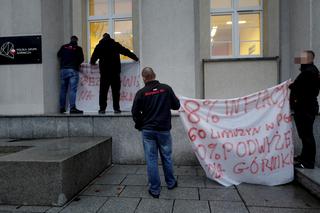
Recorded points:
(231, 47)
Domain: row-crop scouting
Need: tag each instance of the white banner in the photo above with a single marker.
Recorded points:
(88, 88)
(247, 139)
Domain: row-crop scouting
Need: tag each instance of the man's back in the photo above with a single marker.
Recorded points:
(71, 56)
(152, 105)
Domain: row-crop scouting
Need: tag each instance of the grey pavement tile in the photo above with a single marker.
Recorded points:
(110, 179)
(123, 169)
(142, 170)
(135, 191)
(180, 193)
(281, 210)
(16, 209)
(62, 126)
(136, 180)
(290, 196)
(191, 181)
(185, 170)
(200, 172)
(225, 206)
(155, 206)
(86, 204)
(120, 205)
(103, 190)
(80, 126)
(191, 206)
(44, 127)
(213, 184)
(225, 194)
(54, 210)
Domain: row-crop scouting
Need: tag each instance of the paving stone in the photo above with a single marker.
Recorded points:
(201, 172)
(191, 206)
(180, 193)
(120, 205)
(4, 132)
(54, 210)
(136, 180)
(290, 196)
(191, 181)
(86, 204)
(103, 190)
(185, 170)
(142, 170)
(62, 127)
(135, 191)
(110, 179)
(33, 209)
(225, 206)
(123, 169)
(281, 210)
(225, 194)
(155, 206)
(213, 184)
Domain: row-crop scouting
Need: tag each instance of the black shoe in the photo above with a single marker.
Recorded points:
(102, 111)
(303, 166)
(62, 110)
(153, 195)
(174, 186)
(75, 111)
(117, 111)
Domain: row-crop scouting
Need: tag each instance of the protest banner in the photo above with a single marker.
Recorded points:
(89, 82)
(246, 139)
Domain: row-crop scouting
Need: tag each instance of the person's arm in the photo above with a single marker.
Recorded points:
(175, 103)
(80, 56)
(124, 51)
(95, 55)
(136, 111)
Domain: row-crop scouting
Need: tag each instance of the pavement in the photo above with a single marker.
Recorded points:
(123, 188)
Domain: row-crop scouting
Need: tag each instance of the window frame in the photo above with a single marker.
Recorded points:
(111, 19)
(235, 12)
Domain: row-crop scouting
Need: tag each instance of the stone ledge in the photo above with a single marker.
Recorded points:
(310, 179)
(50, 171)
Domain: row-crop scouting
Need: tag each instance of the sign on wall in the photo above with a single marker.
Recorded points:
(246, 139)
(88, 87)
(20, 50)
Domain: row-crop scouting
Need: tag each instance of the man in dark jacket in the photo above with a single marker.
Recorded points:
(151, 114)
(108, 52)
(304, 104)
(71, 57)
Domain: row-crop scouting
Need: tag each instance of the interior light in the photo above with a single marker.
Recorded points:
(213, 31)
(116, 33)
(240, 22)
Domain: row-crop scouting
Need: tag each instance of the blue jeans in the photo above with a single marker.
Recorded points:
(152, 142)
(69, 77)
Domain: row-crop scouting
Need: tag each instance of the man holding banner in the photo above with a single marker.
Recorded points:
(108, 52)
(151, 114)
(304, 103)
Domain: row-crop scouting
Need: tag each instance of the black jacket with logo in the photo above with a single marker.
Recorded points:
(152, 105)
(71, 56)
(305, 89)
(108, 52)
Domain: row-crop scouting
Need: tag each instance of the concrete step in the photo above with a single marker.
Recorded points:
(50, 171)
(310, 179)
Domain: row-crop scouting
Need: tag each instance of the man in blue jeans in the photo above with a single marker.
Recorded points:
(71, 57)
(151, 114)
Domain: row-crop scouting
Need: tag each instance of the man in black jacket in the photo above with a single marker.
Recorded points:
(71, 57)
(108, 52)
(151, 114)
(304, 104)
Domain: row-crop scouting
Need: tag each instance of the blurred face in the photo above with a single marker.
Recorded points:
(304, 58)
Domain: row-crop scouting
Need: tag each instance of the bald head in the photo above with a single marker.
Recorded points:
(148, 74)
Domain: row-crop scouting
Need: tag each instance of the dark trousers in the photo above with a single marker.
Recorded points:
(105, 82)
(304, 123)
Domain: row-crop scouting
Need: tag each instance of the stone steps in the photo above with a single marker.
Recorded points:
(310, 179)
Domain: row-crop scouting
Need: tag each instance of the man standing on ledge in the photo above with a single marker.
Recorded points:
(151, 114)
(108, 52)
(304, 104)
(71, 57)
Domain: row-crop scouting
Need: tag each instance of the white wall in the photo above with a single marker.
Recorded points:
(21, 86)
(168, 42)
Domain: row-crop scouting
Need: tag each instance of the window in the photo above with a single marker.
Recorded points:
(113, 17)
(235, 29)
